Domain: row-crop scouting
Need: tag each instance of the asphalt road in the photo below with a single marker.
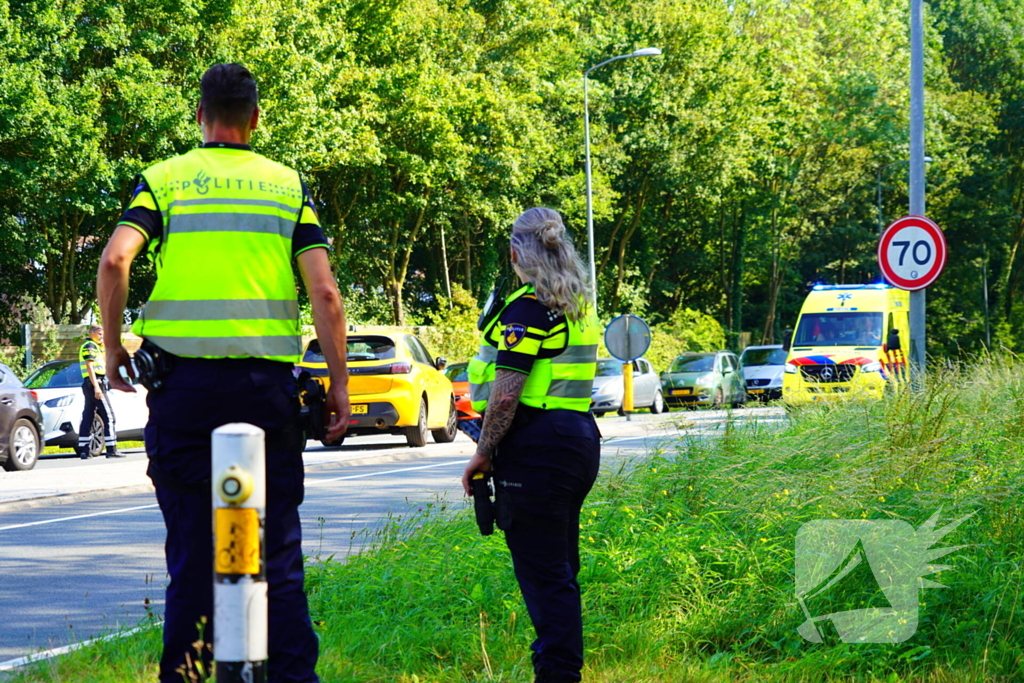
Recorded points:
(76, 567)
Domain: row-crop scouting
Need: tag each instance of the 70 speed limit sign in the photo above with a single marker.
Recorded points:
(912, 252)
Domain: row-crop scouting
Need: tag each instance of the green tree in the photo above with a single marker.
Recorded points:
(685, 330)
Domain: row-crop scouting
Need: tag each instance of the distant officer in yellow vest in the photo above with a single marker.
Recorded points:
(221, 328)
(94, 388)
(532, 379)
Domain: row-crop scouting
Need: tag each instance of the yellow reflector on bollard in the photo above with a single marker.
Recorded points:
(238, 541)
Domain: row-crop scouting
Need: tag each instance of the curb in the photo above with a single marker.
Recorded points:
(64, 498)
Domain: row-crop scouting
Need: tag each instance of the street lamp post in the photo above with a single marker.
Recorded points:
(642, 52)
(878, 193)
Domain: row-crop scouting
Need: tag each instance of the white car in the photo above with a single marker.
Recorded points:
(58, 387)
(763, 367)
(608, 387)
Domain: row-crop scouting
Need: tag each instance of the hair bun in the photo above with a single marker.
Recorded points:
(550, 234)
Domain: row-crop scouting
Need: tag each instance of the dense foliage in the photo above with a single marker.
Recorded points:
(729, 173)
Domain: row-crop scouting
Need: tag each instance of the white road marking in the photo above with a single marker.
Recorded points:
(58, 651)
(309, 482)
(69, 519)
(320, 482)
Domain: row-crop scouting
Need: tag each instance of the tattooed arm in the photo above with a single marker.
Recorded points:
(501, 408)
(505, 393)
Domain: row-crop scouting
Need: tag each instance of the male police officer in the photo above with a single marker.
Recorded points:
(94, 388)
(224, 224)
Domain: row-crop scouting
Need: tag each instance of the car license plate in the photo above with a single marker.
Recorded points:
(360, 409)
(755, 391)
(680, 392)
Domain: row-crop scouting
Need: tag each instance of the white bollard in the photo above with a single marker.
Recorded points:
(240, 580)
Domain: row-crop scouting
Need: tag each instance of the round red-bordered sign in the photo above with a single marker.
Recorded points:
(912, 252)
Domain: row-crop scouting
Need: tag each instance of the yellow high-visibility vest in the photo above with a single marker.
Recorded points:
(99, 361)
(225, 286)
(563, 382)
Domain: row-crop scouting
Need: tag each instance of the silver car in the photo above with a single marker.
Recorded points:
(20, 422)
(609, 387)
(763, 367)
(58, 385)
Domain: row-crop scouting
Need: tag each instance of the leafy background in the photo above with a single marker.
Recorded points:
(729, 174)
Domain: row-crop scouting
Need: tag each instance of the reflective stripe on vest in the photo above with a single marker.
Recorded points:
(566, 381)
(572, 388)
(228, 347)
(225, 286)
(480, 391)
(563, 382)
(217, 309)
(226, 222)
(584, 353)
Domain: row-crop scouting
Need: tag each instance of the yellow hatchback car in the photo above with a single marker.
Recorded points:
(394, 387)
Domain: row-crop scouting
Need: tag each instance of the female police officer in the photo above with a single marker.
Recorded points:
(533, 376)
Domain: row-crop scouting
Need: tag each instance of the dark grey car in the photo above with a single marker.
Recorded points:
(711, 379)
(20, 421)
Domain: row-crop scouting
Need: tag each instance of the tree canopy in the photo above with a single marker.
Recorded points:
(730, 173)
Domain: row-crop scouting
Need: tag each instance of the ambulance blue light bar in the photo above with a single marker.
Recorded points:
(821, 288)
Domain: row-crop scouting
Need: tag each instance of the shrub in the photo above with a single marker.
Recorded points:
(685, 330)
(453, 333)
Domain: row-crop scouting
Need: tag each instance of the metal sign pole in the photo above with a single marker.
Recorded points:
(627, 374)
(26, 333)
(917, 298)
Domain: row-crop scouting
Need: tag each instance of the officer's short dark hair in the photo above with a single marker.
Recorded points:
(228, 95)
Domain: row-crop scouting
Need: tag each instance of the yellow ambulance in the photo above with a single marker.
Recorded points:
(851, 341)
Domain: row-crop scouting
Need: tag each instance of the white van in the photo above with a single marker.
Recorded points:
(763, 368)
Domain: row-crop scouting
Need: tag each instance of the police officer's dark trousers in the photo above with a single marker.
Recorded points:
(200, 395)
(543, 471)
(94, 406)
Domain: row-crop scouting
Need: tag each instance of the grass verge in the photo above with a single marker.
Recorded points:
(688, 556)
(59, 450)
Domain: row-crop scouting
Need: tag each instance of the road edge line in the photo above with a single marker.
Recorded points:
(12, 664)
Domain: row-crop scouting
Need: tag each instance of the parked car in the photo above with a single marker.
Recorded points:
(58, 384)
(712, 379)
(20, 423)
(763, 368)
(394, 387)
(609, 387)
(458, 375)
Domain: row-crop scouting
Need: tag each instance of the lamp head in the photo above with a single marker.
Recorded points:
(647, 52)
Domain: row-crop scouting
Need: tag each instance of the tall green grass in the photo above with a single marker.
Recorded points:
(688, 556)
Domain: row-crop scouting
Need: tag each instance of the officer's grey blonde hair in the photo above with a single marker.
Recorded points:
(546, 257)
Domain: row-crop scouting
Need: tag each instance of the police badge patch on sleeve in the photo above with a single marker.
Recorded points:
(514, 333)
